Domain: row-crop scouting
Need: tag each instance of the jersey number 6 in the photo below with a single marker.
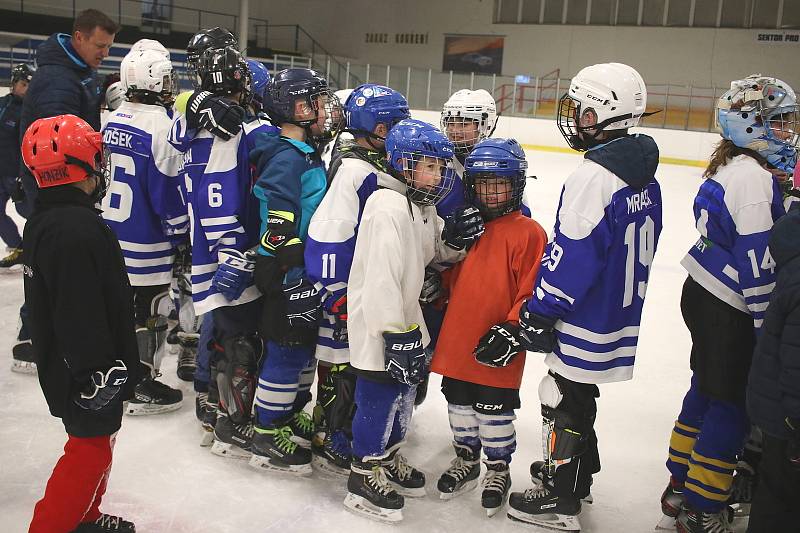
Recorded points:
(118, 201)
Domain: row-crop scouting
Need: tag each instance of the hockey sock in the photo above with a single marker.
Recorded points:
(685, 431)
(279, 381)
(376, 415)
(464, 424)
(304, 385)
(402, 417)
(497, 435)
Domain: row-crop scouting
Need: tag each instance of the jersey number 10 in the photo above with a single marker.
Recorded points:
(643, 253)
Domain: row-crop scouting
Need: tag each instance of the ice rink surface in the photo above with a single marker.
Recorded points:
(165, 482)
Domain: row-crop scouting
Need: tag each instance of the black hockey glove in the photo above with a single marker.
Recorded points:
(405, 355)
(220, 117)
(431, 286)
(302, 304)
(499, 346)
(793, 448)
(102, 388)
(281, 240)
(463, 228)
(18, 192)
(338, 308)
(536, 331)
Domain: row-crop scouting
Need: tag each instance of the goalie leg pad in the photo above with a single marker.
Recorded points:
(236, 375)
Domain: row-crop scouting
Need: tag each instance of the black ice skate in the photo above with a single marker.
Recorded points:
(106, 524)
(537, 476)
(172, 336)
(405, 479)
(302, 427)
(333, 455)
(692, 521)
(539, 507)
(274, 450)
(151, 397)
(742, 489)
(187, 356)
(672, 500)
(23, 360)
(462, 476)
(496, 484)
(200, 403)
(370, 494)
(208, 418)
(232, 440)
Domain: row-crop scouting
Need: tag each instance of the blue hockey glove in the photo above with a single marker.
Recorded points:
(431, 286)
(303, 305)
(220, 117)
(463, 228)
(103, 387)
(234, 273)
(499, 346)
(536, 332)
(281, 240)
(405, 355)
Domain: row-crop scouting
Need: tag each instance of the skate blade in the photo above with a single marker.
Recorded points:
(667, 523)
(24, 367)
(207, 439)
(491, 511)
(224, 449)
(552, 521)
(265, 464)
(326, 467)
(418, 492)
(740, 510)
(363, 507)
(466, 487)
(13, 269)
(146, 409)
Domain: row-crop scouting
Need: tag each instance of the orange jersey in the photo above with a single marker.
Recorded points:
(488, 288)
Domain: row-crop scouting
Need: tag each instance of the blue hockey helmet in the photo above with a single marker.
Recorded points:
(369, 105)
(762, 114)
(261, 79)
(421, 156)
(292, 84)
(494, 177)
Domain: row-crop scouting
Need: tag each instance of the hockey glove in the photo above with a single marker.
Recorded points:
(536, 331)
(102, 388)
(302, 303)
(499, 346)
(431, 286)
(793, 448)
(18, 192)
(463, 228)
(405, 355)
(234, 273)
(338, 308)
(281, 240)
(220, 117)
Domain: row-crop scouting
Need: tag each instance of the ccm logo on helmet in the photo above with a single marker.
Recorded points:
(403, 347)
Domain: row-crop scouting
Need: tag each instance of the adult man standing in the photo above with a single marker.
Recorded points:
(65, 84)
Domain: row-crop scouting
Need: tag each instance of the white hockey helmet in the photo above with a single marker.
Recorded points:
(466, 105)
(149, 76)
(602, 97)
(115, 95)
(343, 95)
(150, 44)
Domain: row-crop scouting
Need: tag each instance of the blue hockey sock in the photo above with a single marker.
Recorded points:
(279, 382)
(464, 424)
(497, 435)
(376, 415)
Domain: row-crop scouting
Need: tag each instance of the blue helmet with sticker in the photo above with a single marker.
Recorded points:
(494, 177)
(761, 113)
(421, 156)
(369, 105)
(293, 84)
(261, 79)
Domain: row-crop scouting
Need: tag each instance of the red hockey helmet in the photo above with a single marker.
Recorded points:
(63, 149)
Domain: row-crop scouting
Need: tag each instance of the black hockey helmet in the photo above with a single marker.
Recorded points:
(292, 84)
(204, 40)
(22, 72)
(224, 71)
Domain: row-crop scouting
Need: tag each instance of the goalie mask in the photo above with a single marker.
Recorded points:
(467, 118)
(494, 177)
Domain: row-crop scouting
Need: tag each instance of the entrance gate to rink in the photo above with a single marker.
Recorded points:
(683, 107)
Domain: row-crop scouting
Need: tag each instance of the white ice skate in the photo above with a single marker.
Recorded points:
(363, 507)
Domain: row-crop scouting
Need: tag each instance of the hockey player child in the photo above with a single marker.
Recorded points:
(144, 209)
(291, 182)
(478, 352)
(81, 318)
(399, 235)
(731, 276)
(588, 296)
(357, 170)
(224, 217)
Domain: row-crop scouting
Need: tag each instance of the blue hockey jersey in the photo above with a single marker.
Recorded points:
(735, 210)
(595, 270)
(143, 205)
(223, 211)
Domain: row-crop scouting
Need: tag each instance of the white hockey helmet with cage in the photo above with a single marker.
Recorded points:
(466, 105)
(602, 97)
(148, 74)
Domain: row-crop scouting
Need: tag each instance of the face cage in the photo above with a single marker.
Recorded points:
(334, 115)
(463, 146)
(427, 195)
(101, 169)
(786, 123)
(516, 188)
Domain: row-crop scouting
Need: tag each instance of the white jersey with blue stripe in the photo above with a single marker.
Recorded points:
(144, 206)
(595, 270)
(735, 210)
(222, 208)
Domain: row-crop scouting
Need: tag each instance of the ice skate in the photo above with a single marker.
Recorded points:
(371, 495)
(744, 486)
(692, 521)
(496, 484)
(23, 361)
(208, 417)
(12, 262)
(172, 336)
(274, 450)
(232, 440)
(406, 480)
(187, 356)
(462, 475)
(106, 524)
(538, 507)
(333, 455)
(671, 504)
(537, 476)
(302, 427)
(151, 397)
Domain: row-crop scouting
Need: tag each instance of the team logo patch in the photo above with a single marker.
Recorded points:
(367, 91)
(360, 101)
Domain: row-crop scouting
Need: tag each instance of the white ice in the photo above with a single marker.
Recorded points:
(165, 482)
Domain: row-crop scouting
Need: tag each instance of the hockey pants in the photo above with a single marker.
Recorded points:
(383, 413)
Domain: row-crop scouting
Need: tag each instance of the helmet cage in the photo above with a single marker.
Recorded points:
(495, 184)
(582, 138)
(334, 115)
(463, 145)
(416, 191)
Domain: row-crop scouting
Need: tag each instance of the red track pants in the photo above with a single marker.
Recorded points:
(75, 487)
